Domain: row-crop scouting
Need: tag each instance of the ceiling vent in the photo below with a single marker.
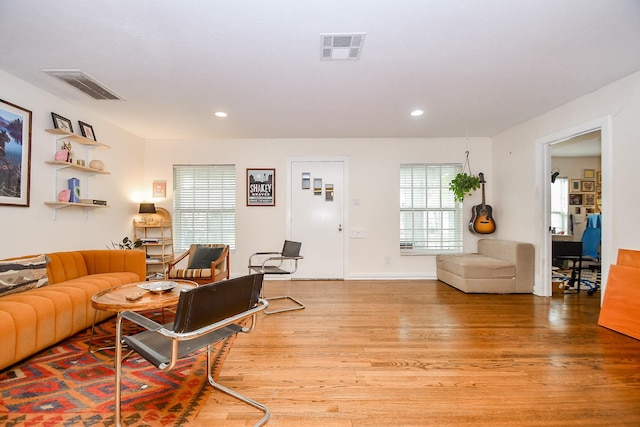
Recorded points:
(85, 83)
(341, 46)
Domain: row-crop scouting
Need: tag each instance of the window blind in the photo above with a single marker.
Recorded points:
(204, 205)
(430, 219)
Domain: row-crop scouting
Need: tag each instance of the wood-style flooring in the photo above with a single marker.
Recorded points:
(420, 353)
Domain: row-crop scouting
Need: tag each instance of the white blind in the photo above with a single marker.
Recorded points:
(204, 205)
(430, 219)
(560, 206)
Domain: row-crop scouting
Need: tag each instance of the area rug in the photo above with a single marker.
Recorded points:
(66, 385)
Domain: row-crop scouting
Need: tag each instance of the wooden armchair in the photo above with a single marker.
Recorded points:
(206, 263)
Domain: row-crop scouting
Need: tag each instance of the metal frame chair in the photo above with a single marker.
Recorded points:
(283, 262)
(204, 315)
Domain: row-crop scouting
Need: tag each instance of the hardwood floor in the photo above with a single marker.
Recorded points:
(420, 353)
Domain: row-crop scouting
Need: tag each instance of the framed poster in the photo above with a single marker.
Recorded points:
(15, 154)
(159, 189)
(261, 187)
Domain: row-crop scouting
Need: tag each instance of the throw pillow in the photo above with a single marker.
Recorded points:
(18, 275)
(203, 256)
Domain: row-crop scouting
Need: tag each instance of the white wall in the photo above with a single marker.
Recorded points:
(374, 166)
(32, 230)
(515, 165)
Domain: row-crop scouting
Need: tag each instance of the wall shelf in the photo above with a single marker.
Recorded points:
(61, 136)
(63, 165)
(77, 138)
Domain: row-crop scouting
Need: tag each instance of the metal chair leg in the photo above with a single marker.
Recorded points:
(232, 393)
(299, 306)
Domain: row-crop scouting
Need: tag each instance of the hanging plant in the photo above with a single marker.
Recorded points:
(464, 183)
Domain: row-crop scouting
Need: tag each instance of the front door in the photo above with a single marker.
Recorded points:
(317, 217)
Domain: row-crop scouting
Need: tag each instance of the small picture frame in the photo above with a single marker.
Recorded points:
(574, 186)
(575, 199)
(87, 130)
(588, 173)
(261, 187)
(588, 186)
(589, 199)
(160, 189)
(599, 177)
(62, 123)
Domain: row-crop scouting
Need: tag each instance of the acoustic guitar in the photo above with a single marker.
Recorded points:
(482, 215)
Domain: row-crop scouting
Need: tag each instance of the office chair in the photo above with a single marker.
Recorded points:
(204, 316)
(283, 262)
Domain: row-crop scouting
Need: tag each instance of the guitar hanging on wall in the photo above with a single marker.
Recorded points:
(482, 220)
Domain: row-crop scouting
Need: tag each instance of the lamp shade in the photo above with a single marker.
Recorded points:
(147, 208)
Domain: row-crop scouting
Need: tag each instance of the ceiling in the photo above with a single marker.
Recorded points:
(475, 67)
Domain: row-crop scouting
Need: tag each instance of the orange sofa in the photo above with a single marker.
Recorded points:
(37, 318)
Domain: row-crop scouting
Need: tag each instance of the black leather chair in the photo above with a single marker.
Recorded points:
(283, 262)
(204, 316)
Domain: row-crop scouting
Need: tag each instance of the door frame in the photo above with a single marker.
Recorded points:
(543, 192)
(345, 204)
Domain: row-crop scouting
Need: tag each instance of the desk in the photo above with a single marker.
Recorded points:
(571, 252)
(115, 299)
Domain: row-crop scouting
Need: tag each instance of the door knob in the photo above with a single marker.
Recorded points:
(339, 227)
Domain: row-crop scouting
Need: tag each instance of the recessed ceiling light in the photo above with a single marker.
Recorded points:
(417, 113)
(221, 114)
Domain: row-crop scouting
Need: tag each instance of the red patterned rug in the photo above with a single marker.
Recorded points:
(68, 385)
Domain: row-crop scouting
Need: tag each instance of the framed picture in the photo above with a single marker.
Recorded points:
(87, 130)
(588, 186)
(15, 154)
(599, 177)
(62, 123)
(159, 189)
(574, 186)
(588, 173)
(589, 199)
(261, 187)
(575, 199)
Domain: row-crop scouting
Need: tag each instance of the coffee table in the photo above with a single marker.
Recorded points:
(120, 298)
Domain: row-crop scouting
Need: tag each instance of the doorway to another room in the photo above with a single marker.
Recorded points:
(588, 192)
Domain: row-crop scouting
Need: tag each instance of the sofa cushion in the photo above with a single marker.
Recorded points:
(476, 266)
(22, 274)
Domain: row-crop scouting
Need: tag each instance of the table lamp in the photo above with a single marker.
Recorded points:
(145, 210)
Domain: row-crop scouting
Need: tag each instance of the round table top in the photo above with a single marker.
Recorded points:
(115, 299)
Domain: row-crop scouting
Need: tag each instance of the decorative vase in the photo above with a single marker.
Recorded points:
(96, 164)
(64, 195)
(62, 155)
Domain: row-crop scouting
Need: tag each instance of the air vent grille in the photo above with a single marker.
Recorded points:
(341, 46)
(84, 83)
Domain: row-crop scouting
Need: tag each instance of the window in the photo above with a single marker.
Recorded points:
(430, 219)
(560, 206)
(204, 205)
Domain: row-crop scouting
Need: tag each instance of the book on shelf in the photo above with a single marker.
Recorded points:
(150, 240)
(93, 202)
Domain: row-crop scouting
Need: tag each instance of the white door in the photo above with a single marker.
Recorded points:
(317, 217)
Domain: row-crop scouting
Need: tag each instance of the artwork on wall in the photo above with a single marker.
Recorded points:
(574, 186)
(575, 199)
(588, 186)
(15, 154)
(159, 189)
(261, 187)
